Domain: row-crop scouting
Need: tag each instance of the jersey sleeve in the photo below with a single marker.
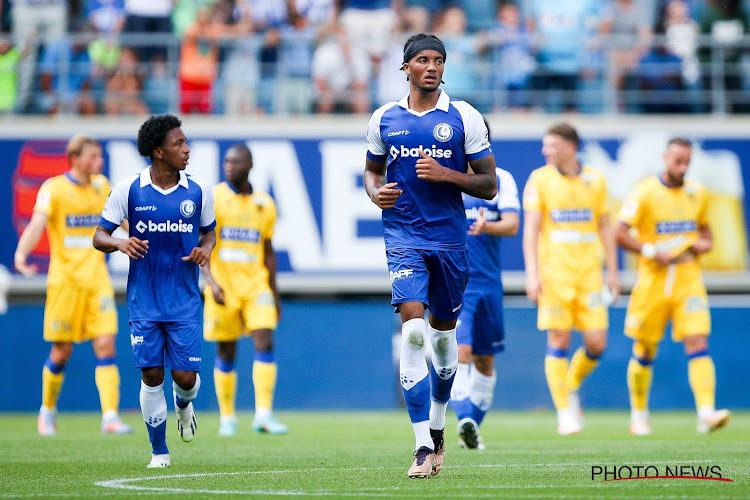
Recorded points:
(476, 135)
(632, 208)
(702, 217)
(269, 223)
(376, 147)
(116, 208)
(507, 199)
(208, 216)
(531, 198)
(44, 199)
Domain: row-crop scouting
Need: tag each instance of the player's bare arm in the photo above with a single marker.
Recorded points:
(201, 254)
(610, 255)
(705, 241)
(506, 226)
(269, 260)
(132, 246)
(532, 221)
(216, 290)
(383, 194)
(480, 184)
(26, 243)
(629, 242)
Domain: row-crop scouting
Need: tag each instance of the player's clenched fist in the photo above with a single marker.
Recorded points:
(133, 247)
(387, 195)
(429, 169)
(199, 255)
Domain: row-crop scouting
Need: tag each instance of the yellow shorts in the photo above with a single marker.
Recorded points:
(565, 304)
(677, 293)
(77, 314)
(240, 316)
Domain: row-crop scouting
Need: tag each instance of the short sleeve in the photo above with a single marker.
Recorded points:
(476, 135)
(531, 198)
(632, 208)
(44, 200)
(208, 216)
(376, 147)
(269, 222)
(702, 216)
(116, 208)
(507, 200)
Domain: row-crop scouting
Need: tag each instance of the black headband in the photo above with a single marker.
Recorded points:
(418, 46)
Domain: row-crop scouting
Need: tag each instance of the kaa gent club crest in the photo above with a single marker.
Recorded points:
(443, 132)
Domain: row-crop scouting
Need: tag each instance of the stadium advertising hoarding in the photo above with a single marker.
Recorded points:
(328, 227)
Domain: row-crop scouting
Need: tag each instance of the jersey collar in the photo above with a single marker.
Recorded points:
(443, 104)
(146, 178)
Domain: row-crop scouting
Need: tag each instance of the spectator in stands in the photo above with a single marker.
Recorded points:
(368, 23)
(108, 16)
(630, 33)
(682, 34)
(10, 56)
(660, 79)
(124, 87)
(150, 17)
(199, 64)
(563, 32)
(293, 92)
(512, 61)
(42, 20)
(66, 78)
(461, 76)
(341, 74)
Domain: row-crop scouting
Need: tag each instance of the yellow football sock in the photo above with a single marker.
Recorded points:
(556, 368)
(639, 384)
(226, 391)
(580, 366)
(108, 382)
(264, 382)
(702, 377)
(51, 385)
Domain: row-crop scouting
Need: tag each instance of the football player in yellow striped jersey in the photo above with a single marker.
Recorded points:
(668, 213)
(566, 223)
(241, 296)
(80, 301)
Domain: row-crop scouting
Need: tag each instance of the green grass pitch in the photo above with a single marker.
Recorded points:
(366, 454)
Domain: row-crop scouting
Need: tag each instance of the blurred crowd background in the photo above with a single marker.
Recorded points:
(247, 57)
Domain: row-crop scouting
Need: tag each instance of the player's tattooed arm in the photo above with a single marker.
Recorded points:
(201, 254)
(383, 194)
(132, 247)
(480, 184)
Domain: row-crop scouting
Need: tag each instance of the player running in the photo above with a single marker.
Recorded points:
(566, 222)
(416, 169)
(80, 302)
(241, 296)
(171, 234)
(670, 217)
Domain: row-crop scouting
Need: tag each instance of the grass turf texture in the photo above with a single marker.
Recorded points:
(367, 454)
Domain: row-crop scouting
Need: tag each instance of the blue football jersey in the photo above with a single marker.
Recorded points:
(427, 215)
(161, 286)
(484, 249)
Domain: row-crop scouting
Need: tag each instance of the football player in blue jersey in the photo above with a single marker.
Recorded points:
(415, 171)
(172, 233)
(480, 330)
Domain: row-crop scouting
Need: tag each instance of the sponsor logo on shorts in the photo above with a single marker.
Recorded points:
(136, 339)
(195, 358)
(456, 308)
(402, 274)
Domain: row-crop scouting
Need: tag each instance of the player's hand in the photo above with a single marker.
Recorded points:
(387, 195)
(477, 227)
(199, 255)
(218, 294)
(701, 246)
(23, 267)
(429, 169)
(613, 283)
(133, 247)
(533, 288)
(663, 258)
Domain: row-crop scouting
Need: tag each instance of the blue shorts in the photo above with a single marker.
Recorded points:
(481, 322)
(437, 278)
(176, 342)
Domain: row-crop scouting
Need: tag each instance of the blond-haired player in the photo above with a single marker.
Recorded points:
(566, 222)
(241, 296)
(669, 215)
(80, 301)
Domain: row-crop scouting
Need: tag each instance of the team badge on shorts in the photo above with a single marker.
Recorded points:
(187, 208)
(443, 132)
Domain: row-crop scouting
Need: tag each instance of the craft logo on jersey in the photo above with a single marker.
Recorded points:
(164, 227)
(443, 132)
(187, 208)
(572, 215)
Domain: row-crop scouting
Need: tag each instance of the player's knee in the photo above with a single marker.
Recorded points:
(153, 376)
(695, 343)
(104, 347)
(643, 351)
(485, 364)
(558, 339)
(263, 340)
(227, 351)
(595, 349)
(60, 352)
(464, 354)
(184, 379)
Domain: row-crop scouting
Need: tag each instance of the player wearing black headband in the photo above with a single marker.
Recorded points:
(418, 149)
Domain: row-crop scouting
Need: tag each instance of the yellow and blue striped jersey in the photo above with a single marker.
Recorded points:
(668, 217)
(570, 209)
(73, 211)
(243, 224)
